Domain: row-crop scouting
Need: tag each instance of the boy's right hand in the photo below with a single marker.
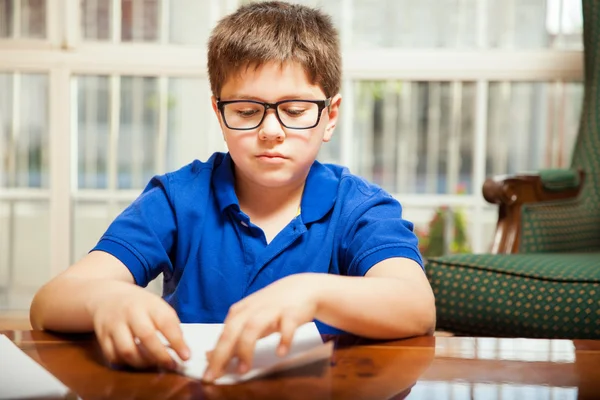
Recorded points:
(127, 324)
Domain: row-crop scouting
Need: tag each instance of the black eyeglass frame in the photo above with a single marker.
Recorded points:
(321, 104)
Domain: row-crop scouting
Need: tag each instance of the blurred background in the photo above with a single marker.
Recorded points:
(97, 96)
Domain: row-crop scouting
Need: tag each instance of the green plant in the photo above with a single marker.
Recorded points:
(433, 241)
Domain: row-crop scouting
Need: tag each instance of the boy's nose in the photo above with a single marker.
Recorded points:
(271, 129)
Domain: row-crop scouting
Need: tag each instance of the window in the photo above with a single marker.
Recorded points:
(97, 96)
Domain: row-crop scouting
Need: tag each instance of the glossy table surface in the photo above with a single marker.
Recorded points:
(424, 367)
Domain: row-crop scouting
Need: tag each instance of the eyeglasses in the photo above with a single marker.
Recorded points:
(245, 115)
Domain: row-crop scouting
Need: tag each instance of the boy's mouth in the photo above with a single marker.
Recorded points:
(271, 155)
(271, 158)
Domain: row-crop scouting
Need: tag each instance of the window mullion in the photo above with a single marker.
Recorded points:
(116, 21)
(113, 140)
(16, 22)
(161, 141)
(60, 170)
(15, 128)
(137, 130)
(480, 138)
(164, 30)
(346, 134)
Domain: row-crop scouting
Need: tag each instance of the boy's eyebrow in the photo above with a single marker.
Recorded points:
(295, 96)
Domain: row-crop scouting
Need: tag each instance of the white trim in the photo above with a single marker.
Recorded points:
(541, 65)
(15, 130)
(438, 65)
(164, 33)
(60, 171)
(436, 200)
(160, 150)
(71, 32)
(103, 195)
(24, 194)
(53, 23)
(20, 44)
(479, 163)
(346, 141)
(115, 21)
(16, 31)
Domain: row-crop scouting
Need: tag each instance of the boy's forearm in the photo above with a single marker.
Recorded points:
(375, 307)
(68, 304)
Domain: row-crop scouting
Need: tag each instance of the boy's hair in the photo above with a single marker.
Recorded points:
(275, 31)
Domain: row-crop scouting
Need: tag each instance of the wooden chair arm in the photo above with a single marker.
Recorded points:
(510, 193)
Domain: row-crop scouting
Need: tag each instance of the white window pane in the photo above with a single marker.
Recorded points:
(33, 19)
(6, 123)
(138, 131)
(32, 139)
(140, 20)
(408, 23)
(192, 128)
(27, 21)
(96, 19)
(531, 125)
(415, 137)
(453, 23)
(6, 23)
(93, 121)
(189, 21)
(90, 221)
(24, 140)
(23, 271)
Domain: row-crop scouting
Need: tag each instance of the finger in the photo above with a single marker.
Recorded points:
(168, 324)
(126, 349)
(108, 349)
(256, 328)
(287, 328)
(153, 349)
(224, 349)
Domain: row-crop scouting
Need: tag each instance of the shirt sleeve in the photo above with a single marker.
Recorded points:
(375, 232)
(143, 235)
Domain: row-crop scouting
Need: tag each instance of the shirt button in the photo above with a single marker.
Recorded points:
(244, 224)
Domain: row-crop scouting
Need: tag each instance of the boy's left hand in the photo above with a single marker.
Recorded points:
(280, 307)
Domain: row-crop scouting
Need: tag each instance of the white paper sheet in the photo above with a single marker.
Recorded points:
(23, 378)
(307, 347)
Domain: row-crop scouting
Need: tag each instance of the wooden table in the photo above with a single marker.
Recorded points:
(423, 367)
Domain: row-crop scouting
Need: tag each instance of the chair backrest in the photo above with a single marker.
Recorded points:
(575, 226)
(586, 154)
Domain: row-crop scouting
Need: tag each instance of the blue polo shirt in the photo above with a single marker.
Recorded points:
(188, 225)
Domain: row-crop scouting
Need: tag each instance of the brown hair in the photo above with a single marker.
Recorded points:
(275, 31)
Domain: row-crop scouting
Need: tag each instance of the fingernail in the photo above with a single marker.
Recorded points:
(242, 368)
(282, 350)
(208, 376)
(185, 353)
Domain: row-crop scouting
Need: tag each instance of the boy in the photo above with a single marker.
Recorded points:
(263, 238)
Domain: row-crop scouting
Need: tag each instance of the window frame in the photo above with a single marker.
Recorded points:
(64, 55)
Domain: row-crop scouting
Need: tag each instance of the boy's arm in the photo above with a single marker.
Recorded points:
(64, 303)
(98, 294)
(393, 300)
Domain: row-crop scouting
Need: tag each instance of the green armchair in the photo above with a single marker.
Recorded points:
(543, 277)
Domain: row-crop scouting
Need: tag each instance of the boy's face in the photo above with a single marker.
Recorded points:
(271, 155)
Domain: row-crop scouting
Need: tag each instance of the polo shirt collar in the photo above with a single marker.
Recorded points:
(224, 184)
(319, 196)
(320, 193)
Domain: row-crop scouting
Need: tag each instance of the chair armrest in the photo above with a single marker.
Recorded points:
(511, 192)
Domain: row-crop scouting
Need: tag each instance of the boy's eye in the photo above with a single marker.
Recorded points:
(247, 112)
(294, 112)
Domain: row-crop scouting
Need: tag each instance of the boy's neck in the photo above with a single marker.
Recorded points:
(262, 202)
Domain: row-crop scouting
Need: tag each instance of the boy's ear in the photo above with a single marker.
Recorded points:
(213, 101)
(333, 111)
